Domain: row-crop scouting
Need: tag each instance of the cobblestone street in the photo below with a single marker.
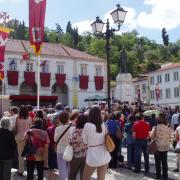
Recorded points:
(123, 173)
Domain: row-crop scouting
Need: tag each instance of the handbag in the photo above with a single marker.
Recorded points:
(29, 148)
(110, 146)
(152, 146)
(55, 145)
(68, 153)
(177, 150)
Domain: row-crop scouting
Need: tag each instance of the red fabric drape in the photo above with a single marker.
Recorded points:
(60, 79)
(99, 81)
(83, 82)
(13, 77)
(37, 11)
(45, 79)
(29, 78)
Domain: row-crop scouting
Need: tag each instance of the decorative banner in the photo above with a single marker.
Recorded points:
(139, 94)
(26, 56)
(157, 90)
(4, 34)
(37, 9)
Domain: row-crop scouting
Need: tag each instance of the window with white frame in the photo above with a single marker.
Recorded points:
(144, 88)
(152, 95)
(83, 69)
(168, 93)
(45, 68)
(176, 76)
(12, 64)
(29, 67)
(167, 77)
(159, 80)
(60, 68)
(152, 80)
(98, 70)
(176, 92)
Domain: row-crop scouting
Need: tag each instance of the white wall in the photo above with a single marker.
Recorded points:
(69, 65)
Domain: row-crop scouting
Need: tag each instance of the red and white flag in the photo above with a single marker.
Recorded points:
(4, 34)
(157, 90)
(37, 9)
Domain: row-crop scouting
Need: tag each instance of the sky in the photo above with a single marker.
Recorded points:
(148, 17)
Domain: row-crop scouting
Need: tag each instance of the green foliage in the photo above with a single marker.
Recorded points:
(144, 55)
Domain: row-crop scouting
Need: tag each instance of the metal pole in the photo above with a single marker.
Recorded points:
(108, 35)
(38, 81)
(2, 103)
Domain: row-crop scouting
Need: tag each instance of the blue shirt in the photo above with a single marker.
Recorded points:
(128, 130)
(112, 126)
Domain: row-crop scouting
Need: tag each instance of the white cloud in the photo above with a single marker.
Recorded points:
(128, 24)
(161, 13)
(10, 1)
(83, 26)
(164, 13)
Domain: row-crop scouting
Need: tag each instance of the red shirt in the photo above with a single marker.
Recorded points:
(141, 128)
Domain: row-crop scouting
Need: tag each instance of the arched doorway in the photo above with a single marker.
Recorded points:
(61, 92)
(25, 89)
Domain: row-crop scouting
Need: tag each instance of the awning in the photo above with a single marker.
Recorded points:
(32, 98)
(60, 79)
(29, 78)
(13, 77)
(45, 79)
(83, 82)
(99, 81)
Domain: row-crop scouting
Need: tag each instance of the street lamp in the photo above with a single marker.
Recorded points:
(118, 16)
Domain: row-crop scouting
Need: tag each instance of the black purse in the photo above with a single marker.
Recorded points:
(29, 148)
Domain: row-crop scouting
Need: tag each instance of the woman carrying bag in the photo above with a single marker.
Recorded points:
(79, 149)
(97, 155)
(162, 136)
(177, 149)
(61, 138)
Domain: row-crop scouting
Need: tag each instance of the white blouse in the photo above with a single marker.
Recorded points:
(97, 155)
(64, 141)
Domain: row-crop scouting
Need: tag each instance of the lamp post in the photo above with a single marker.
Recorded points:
(118, 16)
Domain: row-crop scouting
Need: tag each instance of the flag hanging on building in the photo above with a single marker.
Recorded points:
(4, 34)
(157, 90)
(139, 94)
(37, 9)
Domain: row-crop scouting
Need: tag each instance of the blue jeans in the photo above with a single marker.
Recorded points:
(141, 146)
(130, 155)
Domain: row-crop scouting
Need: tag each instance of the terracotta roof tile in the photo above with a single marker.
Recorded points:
(79, 54)
(49, 49)
(14, 46)
(175, 65)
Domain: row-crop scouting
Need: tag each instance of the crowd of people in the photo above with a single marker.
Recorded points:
(48, 131)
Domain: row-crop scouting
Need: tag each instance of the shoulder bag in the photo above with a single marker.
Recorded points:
(110, 146)
(29, 148)
(152, 146)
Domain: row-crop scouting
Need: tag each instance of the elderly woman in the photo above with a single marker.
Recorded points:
(8, 147)
(162, 135)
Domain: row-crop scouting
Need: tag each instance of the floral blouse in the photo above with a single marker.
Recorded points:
(162, 134)
(79, 148)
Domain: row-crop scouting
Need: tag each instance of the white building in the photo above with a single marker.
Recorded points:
(67, 75)
(166, 79)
